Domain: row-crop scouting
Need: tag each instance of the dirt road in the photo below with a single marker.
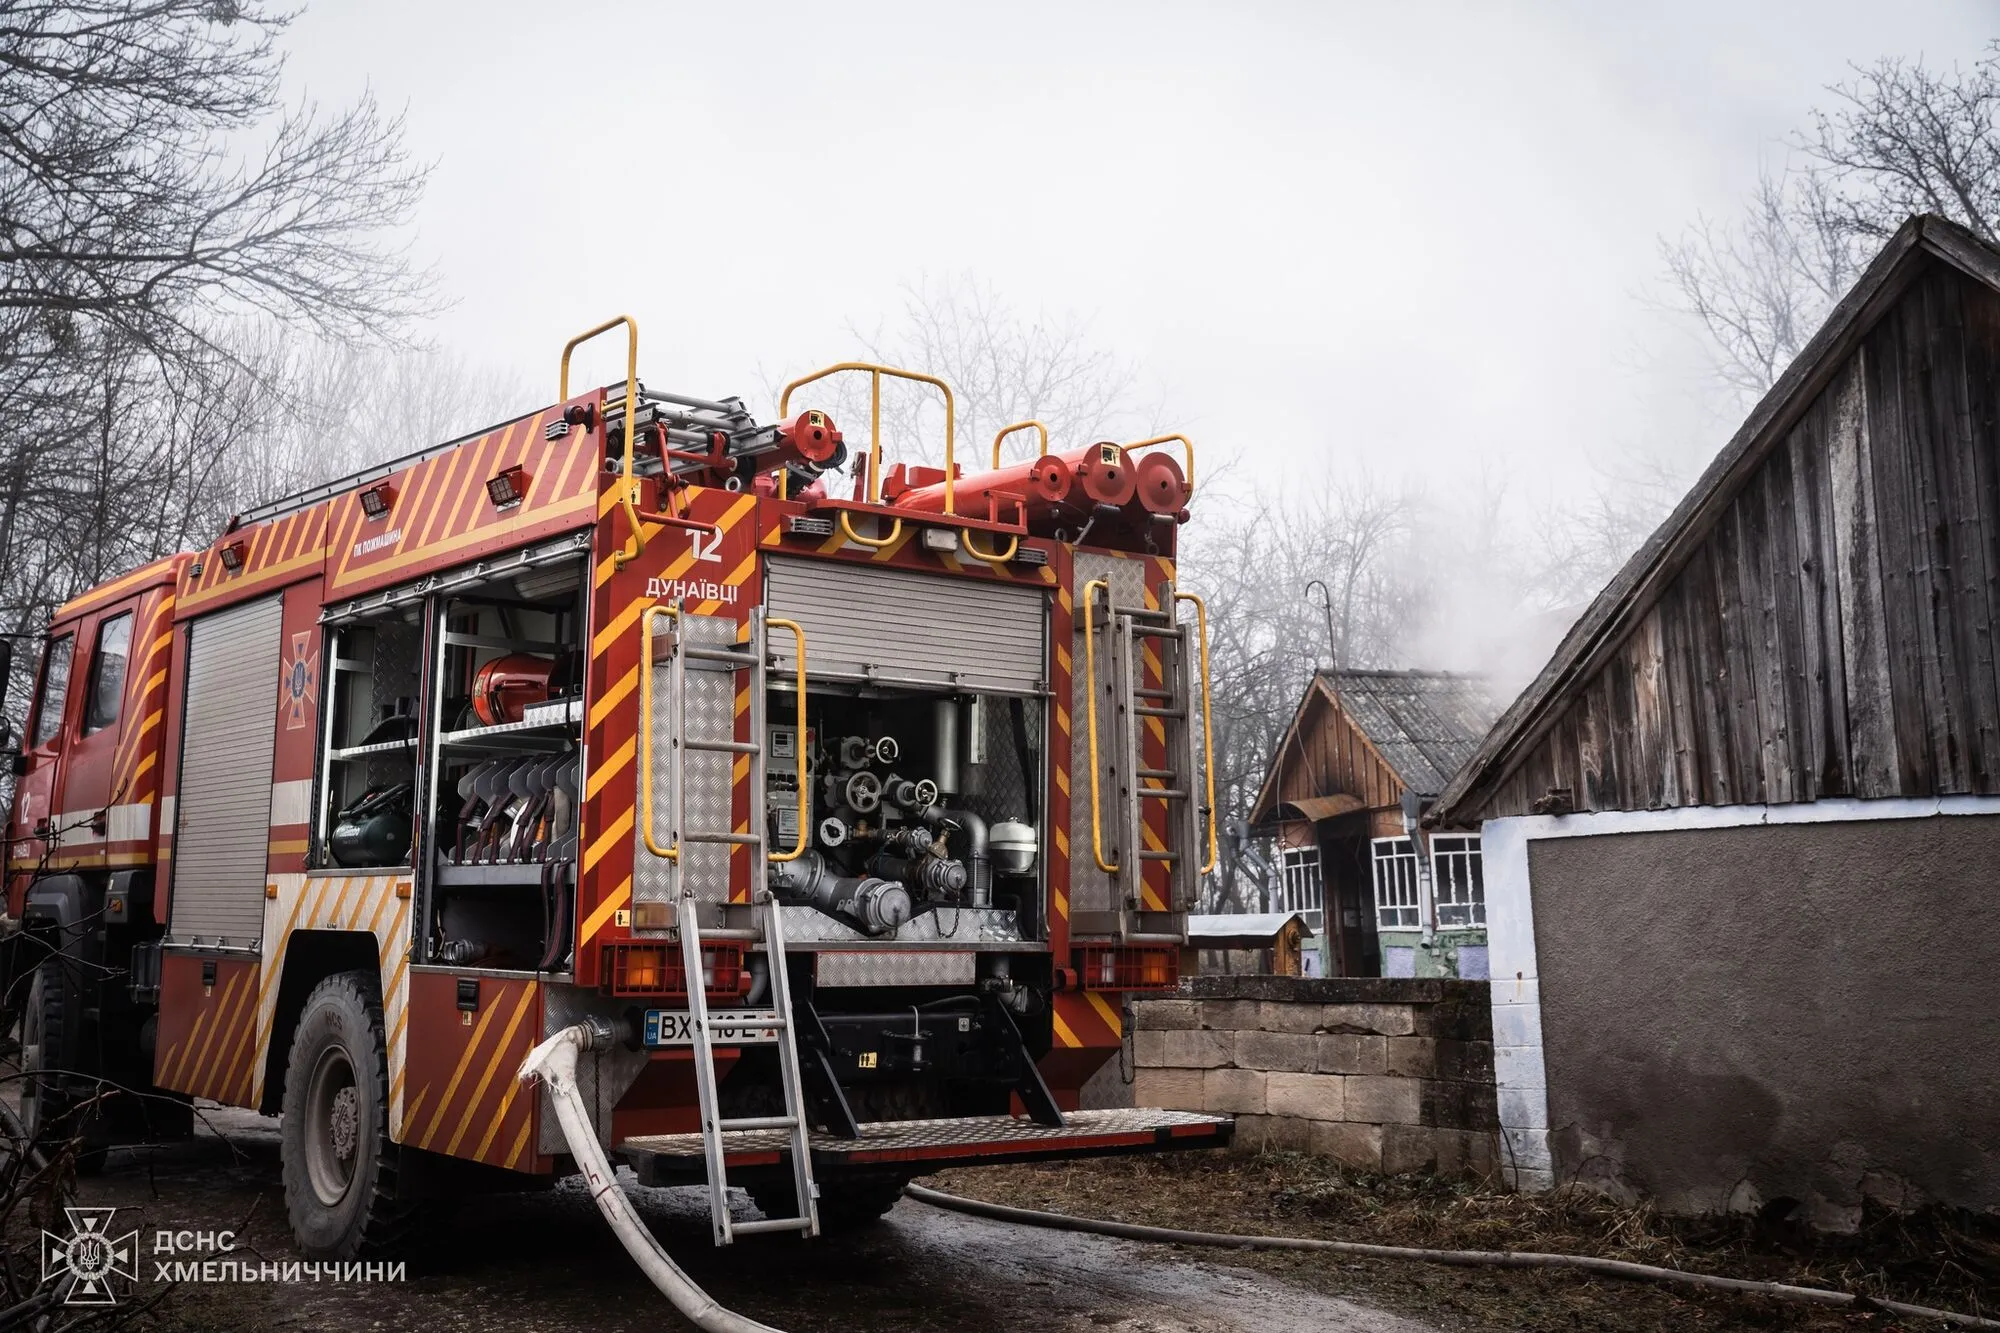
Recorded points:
(548, 1262)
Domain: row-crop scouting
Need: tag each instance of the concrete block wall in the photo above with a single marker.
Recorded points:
(1379, 1073)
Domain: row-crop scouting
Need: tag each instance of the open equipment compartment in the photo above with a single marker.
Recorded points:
(926, 756)
(506, 722)
(366, 808)
(917, 802)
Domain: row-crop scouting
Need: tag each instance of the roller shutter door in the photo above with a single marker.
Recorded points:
(223, 813)
(865, 622)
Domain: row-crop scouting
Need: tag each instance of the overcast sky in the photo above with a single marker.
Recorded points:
(1417, 235)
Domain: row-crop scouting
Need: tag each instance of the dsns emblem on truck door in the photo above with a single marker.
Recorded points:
(297, 682)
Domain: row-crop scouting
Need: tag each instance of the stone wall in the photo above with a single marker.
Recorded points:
(1379, 1073)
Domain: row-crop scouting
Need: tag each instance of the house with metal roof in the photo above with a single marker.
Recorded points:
(1363, 758)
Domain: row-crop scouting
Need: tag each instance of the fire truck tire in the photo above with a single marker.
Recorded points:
(844, 1204)
(339, 1164)
(48, 1111)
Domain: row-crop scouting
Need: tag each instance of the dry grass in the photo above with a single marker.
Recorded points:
(1951, 1262)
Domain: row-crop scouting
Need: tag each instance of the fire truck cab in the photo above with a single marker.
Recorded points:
(841, 826)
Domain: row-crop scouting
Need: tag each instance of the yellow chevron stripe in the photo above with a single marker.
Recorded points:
(106, 592)
(492, 1067)
(597, 919)
(415, 1109)
(458, 1074)
(520, 1142)
(514, 1086)
(232, 1046)
(610, 768)
(620, 829)
(736, 575)
(220, 1010)
(613, 696)
(171, 1078)
(177, 1055)
(1104, 1010)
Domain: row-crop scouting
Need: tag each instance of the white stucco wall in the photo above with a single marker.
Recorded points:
(1519, 1070)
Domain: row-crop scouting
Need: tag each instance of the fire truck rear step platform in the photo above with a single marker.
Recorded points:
(676, 1159)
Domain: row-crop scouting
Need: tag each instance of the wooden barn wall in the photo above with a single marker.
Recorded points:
(1833, 633)
(1329, 757)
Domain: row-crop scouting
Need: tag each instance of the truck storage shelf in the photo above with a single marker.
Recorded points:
(379, 747)
(510, 735)
(451, 875)
(664, 1159)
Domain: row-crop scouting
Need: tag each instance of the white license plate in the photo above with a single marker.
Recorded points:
(726, 1027)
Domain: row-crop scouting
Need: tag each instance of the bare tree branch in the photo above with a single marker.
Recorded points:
(1898, 138)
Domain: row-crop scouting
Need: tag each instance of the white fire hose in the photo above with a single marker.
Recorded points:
(554, 1062)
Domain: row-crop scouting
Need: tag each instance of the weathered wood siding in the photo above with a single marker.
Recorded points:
(1832, 635)
(1328, 756)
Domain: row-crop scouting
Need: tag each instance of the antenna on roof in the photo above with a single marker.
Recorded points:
(1326, 604)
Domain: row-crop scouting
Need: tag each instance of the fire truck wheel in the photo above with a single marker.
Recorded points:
(48, 1112)
(845, 1204)
(340, 1167)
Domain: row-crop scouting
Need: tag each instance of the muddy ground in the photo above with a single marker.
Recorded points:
(548, 1262)
(1948, 1262)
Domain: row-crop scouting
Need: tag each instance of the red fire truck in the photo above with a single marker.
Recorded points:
(847, 823)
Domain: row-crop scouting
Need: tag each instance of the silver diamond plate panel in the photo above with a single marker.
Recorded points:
(945, 925)
(902, 967)
(711, 716)
(1090, 889)
(602, 1076)
(997, 1132)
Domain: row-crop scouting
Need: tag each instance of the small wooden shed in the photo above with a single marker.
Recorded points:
(1245, 943)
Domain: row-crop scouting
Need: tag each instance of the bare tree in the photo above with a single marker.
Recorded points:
(1253, 559)
(125, 212)
(1897, 138)
(1002, 368)
(158, 205)
(1759, 286)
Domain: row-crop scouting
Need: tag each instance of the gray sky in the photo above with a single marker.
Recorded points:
(1413, 234)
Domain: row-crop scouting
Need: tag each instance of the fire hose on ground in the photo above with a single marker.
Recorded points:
(554, 1062)
(1617, 1268)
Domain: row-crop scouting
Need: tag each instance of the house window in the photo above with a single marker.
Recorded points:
(1300, 891)
(1458, 879)
(1397, 906)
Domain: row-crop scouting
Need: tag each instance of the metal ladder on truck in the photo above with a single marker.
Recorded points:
(1136, 708)
(772, 1023)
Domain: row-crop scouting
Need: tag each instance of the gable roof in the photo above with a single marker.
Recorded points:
(1422, 724)
(1631, 593)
